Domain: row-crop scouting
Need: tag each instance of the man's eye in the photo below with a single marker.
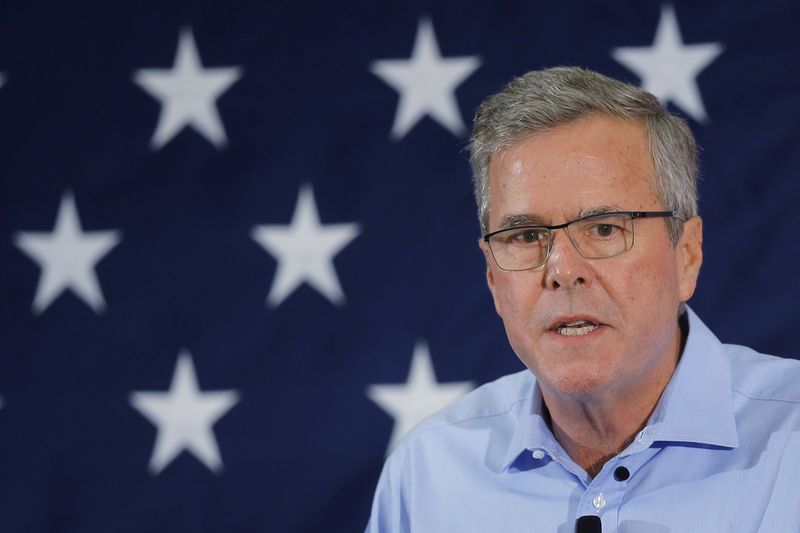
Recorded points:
(523, 237)
(604, 230)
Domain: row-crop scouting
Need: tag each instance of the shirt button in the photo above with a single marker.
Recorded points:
(599, 502)
(621, 473)
(537, 454)
(641, 434)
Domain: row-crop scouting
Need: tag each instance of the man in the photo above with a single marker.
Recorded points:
(631, 413)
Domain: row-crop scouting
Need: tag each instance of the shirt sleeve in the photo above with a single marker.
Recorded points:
(390, 512)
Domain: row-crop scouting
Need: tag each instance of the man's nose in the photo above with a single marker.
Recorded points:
(565, 266)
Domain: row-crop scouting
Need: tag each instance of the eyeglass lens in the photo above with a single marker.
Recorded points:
(595, 237)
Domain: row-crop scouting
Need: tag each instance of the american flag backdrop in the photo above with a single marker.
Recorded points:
(238, 244)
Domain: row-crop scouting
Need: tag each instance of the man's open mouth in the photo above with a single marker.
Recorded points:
(576, 328)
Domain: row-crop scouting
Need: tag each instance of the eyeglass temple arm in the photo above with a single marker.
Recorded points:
(652, 214)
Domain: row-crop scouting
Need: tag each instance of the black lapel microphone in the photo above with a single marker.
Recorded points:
(589, 524)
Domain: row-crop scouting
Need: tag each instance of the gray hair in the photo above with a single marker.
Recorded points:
(540, 100)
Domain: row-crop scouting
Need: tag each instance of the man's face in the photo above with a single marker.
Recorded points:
(592, 163)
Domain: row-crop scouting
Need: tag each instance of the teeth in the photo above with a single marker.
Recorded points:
(570, 329)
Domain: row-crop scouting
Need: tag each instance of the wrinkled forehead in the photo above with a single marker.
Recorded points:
(580, 167)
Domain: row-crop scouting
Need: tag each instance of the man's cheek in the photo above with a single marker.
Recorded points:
(513, 299)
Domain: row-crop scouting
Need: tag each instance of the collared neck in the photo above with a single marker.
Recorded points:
(696, 406)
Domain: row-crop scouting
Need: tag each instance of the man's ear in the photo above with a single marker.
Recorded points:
(689, 256)
(487, 254)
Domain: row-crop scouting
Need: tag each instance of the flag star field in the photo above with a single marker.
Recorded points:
(238, 242)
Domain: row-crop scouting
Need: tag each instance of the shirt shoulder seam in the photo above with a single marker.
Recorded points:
(444, 423)
(759, 398)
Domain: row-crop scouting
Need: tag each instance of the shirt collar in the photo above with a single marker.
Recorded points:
(696, 406)
(532, 431)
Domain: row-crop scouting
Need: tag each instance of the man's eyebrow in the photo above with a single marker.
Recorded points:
(597, 210)
(512, 221)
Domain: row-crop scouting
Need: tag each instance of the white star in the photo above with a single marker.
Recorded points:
(67, 257)
(419, 397)
(184, 416)
(669, 68)
(305, 250)
(188, 94)
(426, 83)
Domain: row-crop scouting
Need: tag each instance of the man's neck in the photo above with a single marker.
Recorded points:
(594, 437)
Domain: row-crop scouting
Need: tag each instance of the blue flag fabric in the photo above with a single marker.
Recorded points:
(239, 247)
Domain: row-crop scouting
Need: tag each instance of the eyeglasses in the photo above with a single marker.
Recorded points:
(595, 237)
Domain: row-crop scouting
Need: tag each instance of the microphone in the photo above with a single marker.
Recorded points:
(588, 524)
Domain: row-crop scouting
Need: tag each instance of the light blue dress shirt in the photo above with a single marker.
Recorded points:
(720, 453)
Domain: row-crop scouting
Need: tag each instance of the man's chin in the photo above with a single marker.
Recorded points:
(574, 376)
(579, 387)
